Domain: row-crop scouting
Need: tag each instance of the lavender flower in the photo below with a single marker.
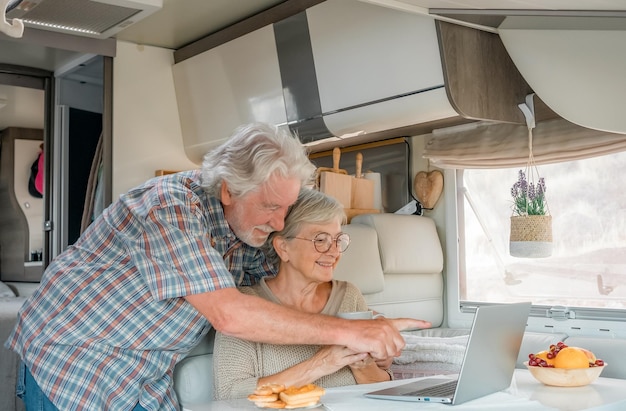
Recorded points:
(528, 198)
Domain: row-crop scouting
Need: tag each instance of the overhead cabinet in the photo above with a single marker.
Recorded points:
(377, 68)
(235, 83)
(342, 68)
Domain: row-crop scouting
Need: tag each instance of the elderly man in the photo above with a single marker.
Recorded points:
(145, 282)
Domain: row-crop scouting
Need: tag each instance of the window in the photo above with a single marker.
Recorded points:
(586, 272)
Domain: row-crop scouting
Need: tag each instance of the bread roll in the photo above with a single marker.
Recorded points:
(263, 398)
(296, 395)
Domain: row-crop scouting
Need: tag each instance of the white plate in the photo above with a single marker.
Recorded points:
(319, 404)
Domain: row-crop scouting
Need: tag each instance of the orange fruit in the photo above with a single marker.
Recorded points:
(571, 357)
(544, 356)
(590, 356)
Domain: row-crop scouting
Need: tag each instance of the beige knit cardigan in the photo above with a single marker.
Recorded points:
(238, 364)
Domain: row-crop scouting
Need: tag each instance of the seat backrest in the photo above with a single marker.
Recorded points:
(193, 376)
(360, 263)
(411, 258)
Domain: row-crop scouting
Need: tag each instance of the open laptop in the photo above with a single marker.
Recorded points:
(488, 364)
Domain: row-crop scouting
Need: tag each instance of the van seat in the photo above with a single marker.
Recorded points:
(410, 256)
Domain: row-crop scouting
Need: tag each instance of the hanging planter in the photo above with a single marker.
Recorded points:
(531, 236)
(531, 223)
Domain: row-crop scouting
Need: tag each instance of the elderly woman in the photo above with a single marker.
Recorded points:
(306, 252)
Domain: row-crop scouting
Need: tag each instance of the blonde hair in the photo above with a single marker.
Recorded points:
(311, 207)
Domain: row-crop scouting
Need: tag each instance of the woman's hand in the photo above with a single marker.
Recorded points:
(384, 364)
(326, 361)
(331, 358)
(367, 372)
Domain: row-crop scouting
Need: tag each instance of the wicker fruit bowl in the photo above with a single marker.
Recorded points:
(565, 377)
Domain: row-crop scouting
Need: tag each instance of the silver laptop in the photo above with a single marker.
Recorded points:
(488, 364)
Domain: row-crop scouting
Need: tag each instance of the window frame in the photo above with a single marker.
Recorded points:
(590, 322)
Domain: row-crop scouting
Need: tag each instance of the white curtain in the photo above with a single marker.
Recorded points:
(495, 145)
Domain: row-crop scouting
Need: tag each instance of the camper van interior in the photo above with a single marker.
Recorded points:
(456, 109)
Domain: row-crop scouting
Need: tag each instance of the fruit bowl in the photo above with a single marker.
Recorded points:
(564, 377)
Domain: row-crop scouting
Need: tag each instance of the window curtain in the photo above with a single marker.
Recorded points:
(496, 145)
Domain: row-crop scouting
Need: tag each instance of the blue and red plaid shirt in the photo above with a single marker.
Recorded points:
(107, 324)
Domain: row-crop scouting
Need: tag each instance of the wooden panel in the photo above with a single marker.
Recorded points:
(158, 173)
(14, 227)
(481, 80)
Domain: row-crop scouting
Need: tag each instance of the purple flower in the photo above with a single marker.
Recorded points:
(529, 198)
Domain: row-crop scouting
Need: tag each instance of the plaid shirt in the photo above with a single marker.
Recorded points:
(107, 324)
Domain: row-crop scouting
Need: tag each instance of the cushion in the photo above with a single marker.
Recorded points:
(193, 376)
(360, 263)
(409, 244)
(193, 380)
(5, 290)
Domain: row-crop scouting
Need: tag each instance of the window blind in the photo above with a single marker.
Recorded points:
(497, 145)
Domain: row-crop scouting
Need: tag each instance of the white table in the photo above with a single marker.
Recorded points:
(525, 393)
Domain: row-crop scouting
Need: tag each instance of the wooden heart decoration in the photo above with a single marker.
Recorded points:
(428, 187)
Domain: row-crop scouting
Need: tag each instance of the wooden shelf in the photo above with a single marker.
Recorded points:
(351, 212)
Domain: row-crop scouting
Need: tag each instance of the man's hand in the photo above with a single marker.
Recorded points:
(380, 337)
(403, 324)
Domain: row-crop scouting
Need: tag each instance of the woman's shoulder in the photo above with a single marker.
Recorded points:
(250, 289)
(350, 288)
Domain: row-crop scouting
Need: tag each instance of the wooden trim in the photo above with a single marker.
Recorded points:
(482, 82)
(158, 173)
(272, 15)
(374, 144)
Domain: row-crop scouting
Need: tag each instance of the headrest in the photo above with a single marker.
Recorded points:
(408, 244)
(360, 263)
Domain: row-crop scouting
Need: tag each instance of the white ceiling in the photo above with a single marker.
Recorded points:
(181, 22)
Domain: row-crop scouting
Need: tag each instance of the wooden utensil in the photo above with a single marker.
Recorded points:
(334, 169)
(362, 189)
(336, 182)
(428, 187)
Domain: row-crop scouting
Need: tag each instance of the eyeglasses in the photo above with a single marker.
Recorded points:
(324, 241)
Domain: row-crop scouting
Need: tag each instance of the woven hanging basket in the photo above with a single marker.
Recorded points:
(531, 236)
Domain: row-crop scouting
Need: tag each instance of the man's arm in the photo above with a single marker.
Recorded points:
(253, 318)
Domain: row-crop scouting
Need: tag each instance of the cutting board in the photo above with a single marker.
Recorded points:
(362, 189)
(336, 182)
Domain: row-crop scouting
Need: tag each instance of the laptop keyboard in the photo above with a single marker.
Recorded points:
(442, 390)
